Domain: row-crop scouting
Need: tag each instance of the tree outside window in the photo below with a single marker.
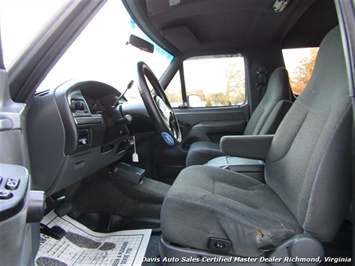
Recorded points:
(300, 64)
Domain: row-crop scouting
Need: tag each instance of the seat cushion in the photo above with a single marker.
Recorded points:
(209, 202)
(201, 152)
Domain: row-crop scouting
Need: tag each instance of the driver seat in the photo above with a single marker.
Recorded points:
(307, 193)
(265, 119)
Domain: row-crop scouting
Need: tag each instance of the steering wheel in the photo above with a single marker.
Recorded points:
(158, 106)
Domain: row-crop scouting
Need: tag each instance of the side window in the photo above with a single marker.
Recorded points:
(173, 91)
(210, 81)
(299, 63)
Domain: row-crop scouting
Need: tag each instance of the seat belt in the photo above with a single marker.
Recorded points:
(260, 85)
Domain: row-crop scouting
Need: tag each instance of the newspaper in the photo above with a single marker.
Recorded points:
(82, 246)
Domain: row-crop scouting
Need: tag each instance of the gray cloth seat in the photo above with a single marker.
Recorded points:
(265, 119)
(212, 202)
(307, 176)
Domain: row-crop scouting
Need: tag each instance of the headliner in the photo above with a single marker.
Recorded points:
(224, 24)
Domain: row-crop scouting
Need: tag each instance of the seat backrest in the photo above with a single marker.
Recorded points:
(309, 162)
(278, 89)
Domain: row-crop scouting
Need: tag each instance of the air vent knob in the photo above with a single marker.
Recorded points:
(79, 105)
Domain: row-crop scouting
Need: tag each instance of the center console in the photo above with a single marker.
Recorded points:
(250, 167)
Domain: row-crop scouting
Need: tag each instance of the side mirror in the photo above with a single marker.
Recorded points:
(194, 100)
(141, 44)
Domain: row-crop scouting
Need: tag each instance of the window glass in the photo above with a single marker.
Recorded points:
(20, 21)
(101, 53)
(211, 81)
(299, 63)
(173, 91)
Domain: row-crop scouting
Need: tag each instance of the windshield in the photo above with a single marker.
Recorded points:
(101, 52)
(20, 21)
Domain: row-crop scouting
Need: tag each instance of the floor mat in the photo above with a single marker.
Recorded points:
(81, 246)
(152, 257)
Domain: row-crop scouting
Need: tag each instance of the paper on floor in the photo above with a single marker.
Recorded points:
(81, 246)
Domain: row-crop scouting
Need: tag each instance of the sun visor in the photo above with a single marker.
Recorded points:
(182, 38)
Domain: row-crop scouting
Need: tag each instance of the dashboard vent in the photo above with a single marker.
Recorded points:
(84, 137)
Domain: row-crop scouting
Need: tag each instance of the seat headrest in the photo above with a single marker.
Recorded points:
(278, 86)
(329, 73)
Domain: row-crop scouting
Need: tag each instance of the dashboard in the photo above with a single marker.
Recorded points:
(74, 131)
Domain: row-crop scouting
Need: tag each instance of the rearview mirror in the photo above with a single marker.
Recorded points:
(141, 44)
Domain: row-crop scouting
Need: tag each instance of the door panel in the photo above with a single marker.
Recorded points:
(20, 208)
(210, 124)
(197, 124)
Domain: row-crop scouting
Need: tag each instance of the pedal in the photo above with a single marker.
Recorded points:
(64, 207)
(55, 232)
